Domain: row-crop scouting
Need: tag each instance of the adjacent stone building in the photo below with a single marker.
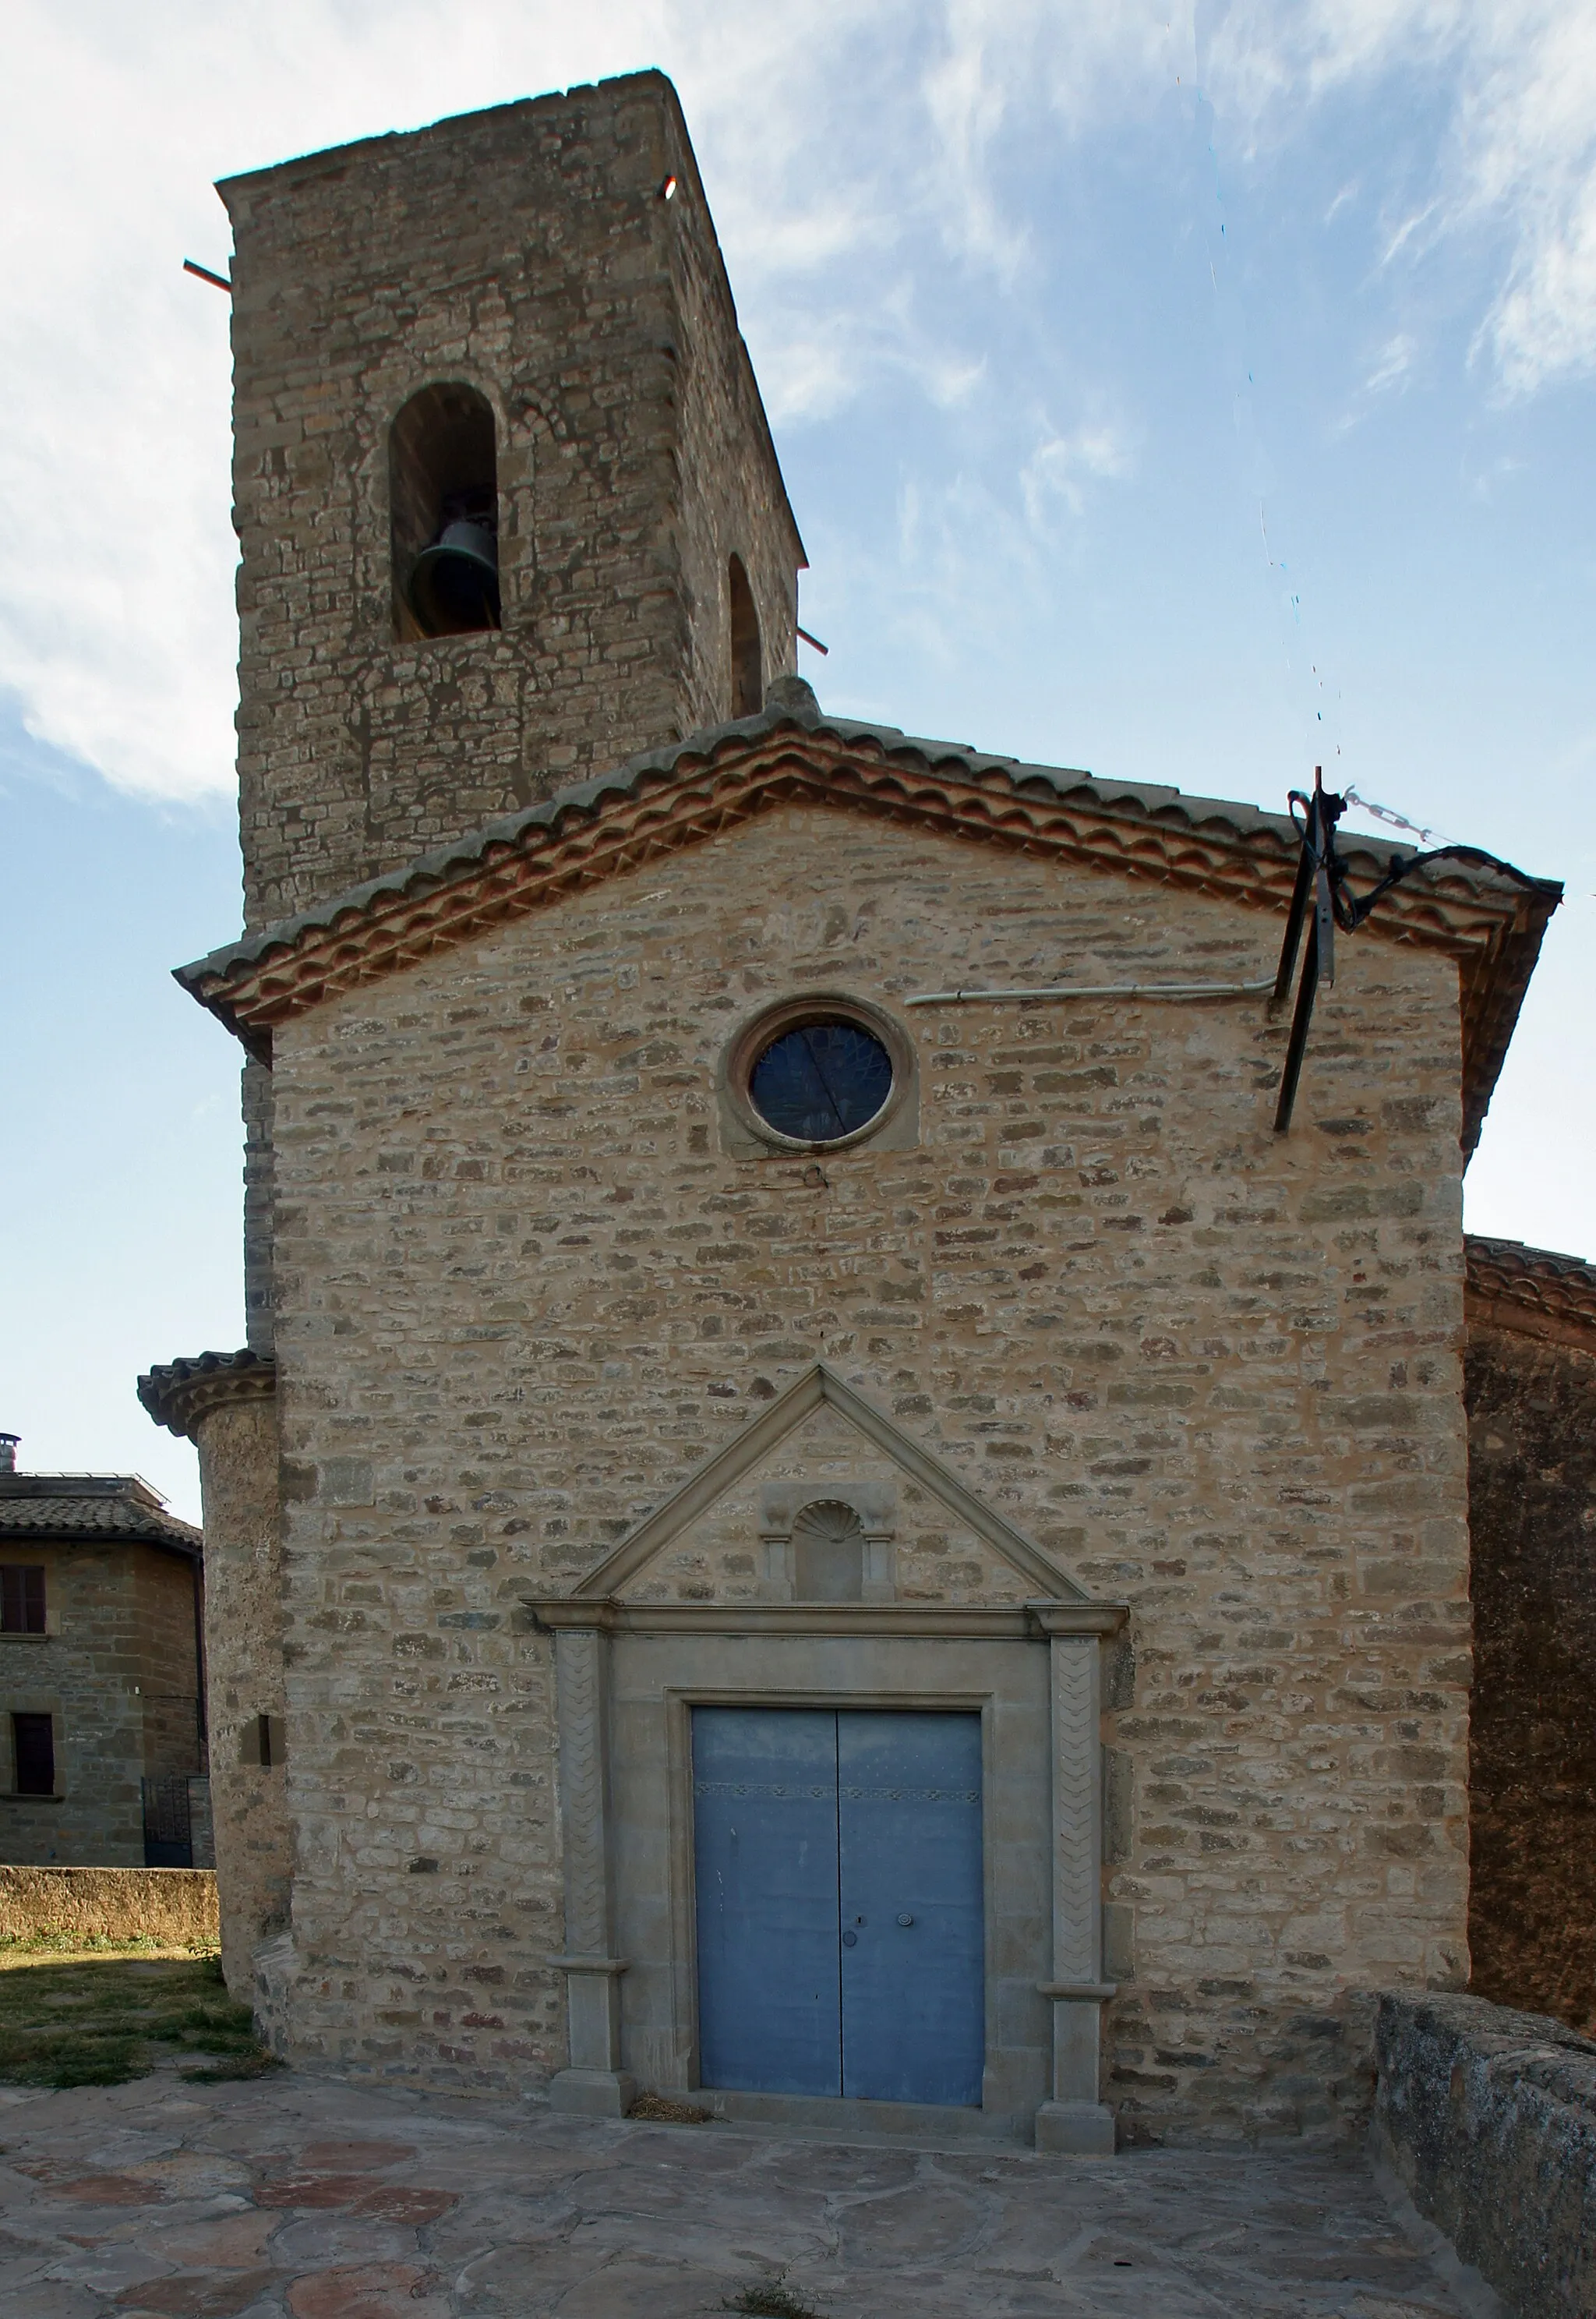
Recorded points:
(818, 1512)
(1530, 1386)
(102, 1708)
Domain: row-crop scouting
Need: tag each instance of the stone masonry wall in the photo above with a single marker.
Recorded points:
(238, 1446)
(1488, 2118)
(522, 1291)
(1532, 1502)
(170, 1621)
(257, 1106)
(736, 503)
(528, 253)
(116, 1669)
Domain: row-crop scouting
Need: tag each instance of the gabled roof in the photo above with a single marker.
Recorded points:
(668, 800)
(89, 1509)
(1533, 1291)
(821, 1387)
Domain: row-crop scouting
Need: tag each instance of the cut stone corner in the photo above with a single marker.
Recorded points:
(1076, 2129)
(592, 2093)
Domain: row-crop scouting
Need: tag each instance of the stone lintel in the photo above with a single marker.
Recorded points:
(1016, 1622)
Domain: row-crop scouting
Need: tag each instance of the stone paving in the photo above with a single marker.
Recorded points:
(298, 2198)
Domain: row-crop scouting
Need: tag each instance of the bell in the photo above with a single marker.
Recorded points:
(454, 588)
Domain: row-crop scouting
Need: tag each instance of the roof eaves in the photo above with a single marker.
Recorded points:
(1536, 1291)
(448, 863)
(1486, 916)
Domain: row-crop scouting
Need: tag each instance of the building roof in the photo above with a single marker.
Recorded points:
(89, 1509)
(1486, 915)
(1534, 1291)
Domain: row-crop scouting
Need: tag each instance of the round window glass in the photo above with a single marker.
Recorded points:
(821, 1082)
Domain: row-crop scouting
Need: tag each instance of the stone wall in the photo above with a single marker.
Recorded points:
(1489, 2119)
(117, 1671)
(522, 1290)
(238, 1446)
(529, 253)
(1532, 1499)
(255, 1092)
(173, 1906)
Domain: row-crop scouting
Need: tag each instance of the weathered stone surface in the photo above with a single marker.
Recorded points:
(238, 1447)
(672, 2223)
(521, 1294)
(1489, 2118)
(1532, 1767)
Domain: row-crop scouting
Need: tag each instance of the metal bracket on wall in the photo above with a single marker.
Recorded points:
(1318, 872)
(1322, 881)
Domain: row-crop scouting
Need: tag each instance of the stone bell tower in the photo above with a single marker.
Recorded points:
(507, 501)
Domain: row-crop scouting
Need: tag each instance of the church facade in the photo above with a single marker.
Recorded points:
(819, 1517)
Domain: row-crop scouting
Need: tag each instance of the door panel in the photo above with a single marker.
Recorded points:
(765, 1844)
(909, 1848)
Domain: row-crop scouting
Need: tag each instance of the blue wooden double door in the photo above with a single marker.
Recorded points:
(840, 1932)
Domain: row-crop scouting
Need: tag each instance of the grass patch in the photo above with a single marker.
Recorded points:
(772, 2301)
(104, 2017)
(59, 1942)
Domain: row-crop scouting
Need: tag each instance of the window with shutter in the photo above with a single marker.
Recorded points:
(22, 1598)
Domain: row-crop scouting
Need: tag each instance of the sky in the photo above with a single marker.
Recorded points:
(1193, 395)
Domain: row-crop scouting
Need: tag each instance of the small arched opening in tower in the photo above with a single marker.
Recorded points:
(748, 691)
(443, 496)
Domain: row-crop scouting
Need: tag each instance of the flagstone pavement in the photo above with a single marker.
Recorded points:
(299, 2197)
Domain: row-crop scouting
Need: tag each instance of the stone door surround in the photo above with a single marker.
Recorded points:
(629, 1673)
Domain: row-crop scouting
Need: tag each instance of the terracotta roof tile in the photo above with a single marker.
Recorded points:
(87, 1507)
(667, 799)
(178, 1393)
(1534, 1290)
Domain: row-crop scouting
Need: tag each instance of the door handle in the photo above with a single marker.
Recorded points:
(850, 1940)
(906, 1920)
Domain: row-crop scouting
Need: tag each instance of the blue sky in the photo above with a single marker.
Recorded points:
(1189, 394)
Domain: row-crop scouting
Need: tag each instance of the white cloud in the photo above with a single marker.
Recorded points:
(858, 156)
(1061, 465)
(1393, 363)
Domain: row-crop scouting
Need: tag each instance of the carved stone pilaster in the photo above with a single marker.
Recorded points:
(1075, 2119)
(595, 2084)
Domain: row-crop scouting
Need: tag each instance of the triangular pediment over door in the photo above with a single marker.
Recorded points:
(819, 1474)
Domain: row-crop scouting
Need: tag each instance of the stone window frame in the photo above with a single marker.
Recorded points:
(745, 1135)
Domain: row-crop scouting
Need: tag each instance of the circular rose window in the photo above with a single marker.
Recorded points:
(821, 1081)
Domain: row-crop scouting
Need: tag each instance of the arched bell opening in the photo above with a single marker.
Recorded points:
(748, 691)
(443, 501)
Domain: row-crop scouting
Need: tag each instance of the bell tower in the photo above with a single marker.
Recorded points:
(507, 499)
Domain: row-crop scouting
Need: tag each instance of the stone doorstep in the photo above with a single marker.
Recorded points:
(1059, 2129)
